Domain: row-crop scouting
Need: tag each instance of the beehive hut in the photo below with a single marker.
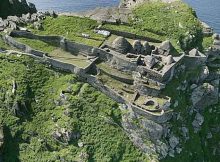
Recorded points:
(150, 61)
(121, 45)
(166, 48)
(195, 52)
(146, 48)
(137, 46)
(168, 60)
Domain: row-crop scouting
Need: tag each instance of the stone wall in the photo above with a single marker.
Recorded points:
(149, 73)
(131, 35)
(160, 118)
(119, 78)
(168, 75)
(62, 42)
(56, 63)
(88, 78)
(193, 61)
(10, 41)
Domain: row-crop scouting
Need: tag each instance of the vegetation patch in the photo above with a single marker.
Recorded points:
(71, 28)
(174, 21)
(37, 109)
(37, 44)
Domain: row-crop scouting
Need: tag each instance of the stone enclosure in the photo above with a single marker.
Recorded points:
(130, 73)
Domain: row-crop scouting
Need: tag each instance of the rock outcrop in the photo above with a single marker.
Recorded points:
(205, 95)
(16, 7)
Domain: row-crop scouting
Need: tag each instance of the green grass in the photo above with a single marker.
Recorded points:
(194, 148)
(28, 135)
(78, 60)
(56, 52)
(37, 44)
(71, 28)
(174, 21)
(113, 71)
(207, 42)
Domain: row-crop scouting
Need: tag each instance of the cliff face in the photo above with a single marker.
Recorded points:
(15, 7)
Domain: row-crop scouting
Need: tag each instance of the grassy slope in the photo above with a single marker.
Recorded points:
(29, 136)
(71, 28)
(173, 21)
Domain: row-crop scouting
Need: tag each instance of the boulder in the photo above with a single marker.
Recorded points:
(162, 149)
(193, 86)
(204, 95)
(216, 36)
(185, 132)
(154, 130)
(51, 14)
(26, 17)
(204, 73)
(216, 42)
(197, 122)
(12, 25)
(38, 26)
(173, 141)
(15, 19)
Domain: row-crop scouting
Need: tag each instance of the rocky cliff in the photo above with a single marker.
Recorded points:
(15, 7)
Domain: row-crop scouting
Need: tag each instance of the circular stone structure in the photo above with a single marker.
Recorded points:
(137, 46)
(169, 60)
(121, 45)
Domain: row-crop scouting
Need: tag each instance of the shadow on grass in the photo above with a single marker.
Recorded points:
(10, 151)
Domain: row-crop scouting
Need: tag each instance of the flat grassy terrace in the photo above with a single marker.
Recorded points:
(56, 53)
(37, 44)
(107, 68)
(71, 28)
(174, 21)
(123, 89)
(143, 99)
(78, 60)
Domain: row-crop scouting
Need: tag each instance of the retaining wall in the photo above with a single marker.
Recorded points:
(12, 42)
(193, 61)
(131, 35)
(119, 78)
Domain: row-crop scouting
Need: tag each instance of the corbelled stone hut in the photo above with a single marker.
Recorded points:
(121, 45)
(146, 48)
(137, 46)
(166, 48)
(150, 61)
(169, 60)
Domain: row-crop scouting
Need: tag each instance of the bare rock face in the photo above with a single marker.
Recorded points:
(205, 95)
(16, 7)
